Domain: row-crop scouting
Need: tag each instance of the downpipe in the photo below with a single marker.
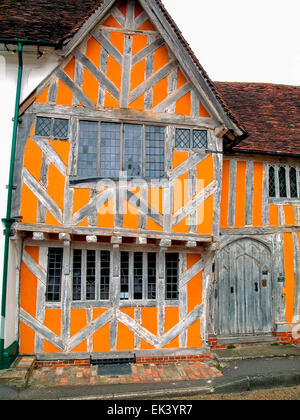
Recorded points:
(5, 358)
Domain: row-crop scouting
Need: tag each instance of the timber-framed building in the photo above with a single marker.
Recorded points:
(159, 212)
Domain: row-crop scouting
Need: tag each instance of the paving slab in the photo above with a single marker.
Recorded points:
(256, 352)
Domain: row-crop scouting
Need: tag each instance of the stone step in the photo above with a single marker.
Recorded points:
(18, 374)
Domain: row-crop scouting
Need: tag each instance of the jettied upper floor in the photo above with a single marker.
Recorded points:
(126, 135)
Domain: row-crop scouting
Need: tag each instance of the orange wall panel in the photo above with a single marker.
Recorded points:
(56, 185)
(273, 215)
(289, 215)
(171, 319)
(205, 216)
(183, 105)
(28, 290)
(101, 341)
(149, 322)
(33, 159)
(125, 339)
(194, 335)
(29, 204)
(26, 341)
(93, 51)
(78, 322)
(64, 95)
(240, 194)
(288, 252)
(90, 86)
(53, 323)
(225, 194)
(62, 148)
(257, 193)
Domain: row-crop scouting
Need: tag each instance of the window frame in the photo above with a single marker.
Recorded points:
(122, 125)
(278, 197)
(131, 277)
(51, 136)
(83, 276)
(191, 146)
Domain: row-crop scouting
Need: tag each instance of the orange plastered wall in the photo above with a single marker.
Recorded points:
(28, 295)
(115, 34)
(194, 293)
(289, 291)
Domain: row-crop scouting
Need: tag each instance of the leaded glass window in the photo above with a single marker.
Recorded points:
(104, 275)
(91, 275)
(172, 272)
(182, 138)
(110, 150)
(57, 128)
(282, 182)
(293, 183)
(88, 149)
(61, 128)
(155, 152)
(272, 187)
(138, 276)
(43, 126)
(54, 274)
(77, 266)
(133, 150)
(199, 139)
(151, 286)
(124, 292)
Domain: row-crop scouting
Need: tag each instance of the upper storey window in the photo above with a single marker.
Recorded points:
(190, 139)
(283, 182)
(106, 149)
(57, 128)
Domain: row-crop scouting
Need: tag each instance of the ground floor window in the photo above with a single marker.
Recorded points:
(92, 275)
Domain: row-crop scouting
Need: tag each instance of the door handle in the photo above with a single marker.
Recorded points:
(256, 287)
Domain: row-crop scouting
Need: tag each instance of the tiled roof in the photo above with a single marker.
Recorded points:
(42, 20)
(270, 113)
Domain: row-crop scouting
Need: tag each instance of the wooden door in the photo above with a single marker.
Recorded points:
(242, 294)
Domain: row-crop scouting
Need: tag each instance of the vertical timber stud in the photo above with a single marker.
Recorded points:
(6, 360)
(115, 295)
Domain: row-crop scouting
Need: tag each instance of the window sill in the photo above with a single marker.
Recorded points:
(285, 201)
(83, 180)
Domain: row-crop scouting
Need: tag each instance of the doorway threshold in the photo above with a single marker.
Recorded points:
(246, 339)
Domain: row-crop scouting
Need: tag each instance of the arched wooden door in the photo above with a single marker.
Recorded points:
(242, 294)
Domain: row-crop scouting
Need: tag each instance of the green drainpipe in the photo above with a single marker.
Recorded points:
(7, 356)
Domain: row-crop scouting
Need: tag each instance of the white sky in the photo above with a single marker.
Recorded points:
(243, 40)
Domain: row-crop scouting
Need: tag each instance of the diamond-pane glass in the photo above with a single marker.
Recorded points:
(272, 189)
(199, 139)
(282, 182)
(43, 126)
(61, 128)
(183, 139)
(293, 183)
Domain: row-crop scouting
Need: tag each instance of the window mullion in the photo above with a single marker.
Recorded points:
(298, 182)
(83, 274)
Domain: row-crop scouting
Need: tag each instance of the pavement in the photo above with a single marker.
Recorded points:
(244, 368)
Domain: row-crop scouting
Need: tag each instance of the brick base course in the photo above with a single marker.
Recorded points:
(155, 360)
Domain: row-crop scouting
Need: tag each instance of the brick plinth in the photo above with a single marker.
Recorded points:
(288, 337)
